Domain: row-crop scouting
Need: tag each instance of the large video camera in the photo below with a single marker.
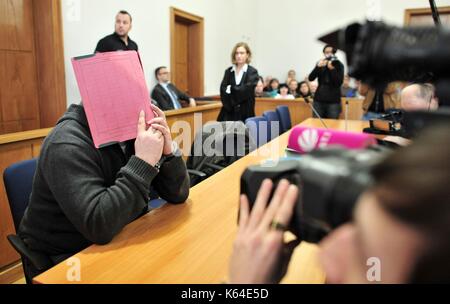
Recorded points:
(378, 54)
(332, 180)
(407, 124)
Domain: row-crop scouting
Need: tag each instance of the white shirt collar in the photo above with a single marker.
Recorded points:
(238, 76)
(244, 68)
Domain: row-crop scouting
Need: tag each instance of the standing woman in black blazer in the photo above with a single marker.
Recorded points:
(237, 90)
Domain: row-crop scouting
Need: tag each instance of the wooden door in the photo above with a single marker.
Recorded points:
(187, 52)
(181, 69)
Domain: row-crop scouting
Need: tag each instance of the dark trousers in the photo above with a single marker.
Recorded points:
(327, 110)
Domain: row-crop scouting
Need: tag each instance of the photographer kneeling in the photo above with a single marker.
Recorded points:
(402, 221)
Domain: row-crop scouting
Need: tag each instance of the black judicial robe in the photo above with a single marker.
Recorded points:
(240, 104)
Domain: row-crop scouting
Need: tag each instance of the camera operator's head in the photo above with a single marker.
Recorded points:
(401, 222)
(419, 96)
(329, 51)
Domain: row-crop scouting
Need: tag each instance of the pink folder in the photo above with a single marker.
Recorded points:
(113, 89)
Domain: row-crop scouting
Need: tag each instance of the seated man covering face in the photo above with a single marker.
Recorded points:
(83, 196)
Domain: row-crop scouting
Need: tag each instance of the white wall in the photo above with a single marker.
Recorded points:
(85, 22)
(282, 34)
(288, 29)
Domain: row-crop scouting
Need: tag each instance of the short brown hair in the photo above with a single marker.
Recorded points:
(246, 47)
(123, 12)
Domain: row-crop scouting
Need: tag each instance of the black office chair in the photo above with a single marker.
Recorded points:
(206, 160)
(18, 179)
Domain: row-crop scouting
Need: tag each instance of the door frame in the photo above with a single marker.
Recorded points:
(196, 51)
(409, 13)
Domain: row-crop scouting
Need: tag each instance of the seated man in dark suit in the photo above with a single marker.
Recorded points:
(167, 95)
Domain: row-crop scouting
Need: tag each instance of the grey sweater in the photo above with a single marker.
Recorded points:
(82, 195)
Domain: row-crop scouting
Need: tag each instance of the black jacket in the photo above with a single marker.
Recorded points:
(112, 43)
(82, 195)
(160, 95)
(240, 104)
(330, 82)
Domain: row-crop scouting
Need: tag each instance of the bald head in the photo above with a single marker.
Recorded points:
(419, 97)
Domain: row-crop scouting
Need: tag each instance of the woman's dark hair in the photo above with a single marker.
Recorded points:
(283, 86)
(329, 46)
(414, 186)
(300, 86)
(272, 81)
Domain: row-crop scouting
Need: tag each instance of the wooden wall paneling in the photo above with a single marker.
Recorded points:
(209, 113)
(18, 89)
(300, 111)
(16, 25)
(50, 61)
(13, 274)
(32, 91)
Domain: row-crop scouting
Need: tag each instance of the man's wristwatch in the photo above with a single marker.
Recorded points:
(165, 158)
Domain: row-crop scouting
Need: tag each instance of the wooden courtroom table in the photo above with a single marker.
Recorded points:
(190, 243)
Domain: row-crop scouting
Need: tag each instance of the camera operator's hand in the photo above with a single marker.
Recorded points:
(330, 65)
(149, 142)
(260, 255)
(322, 63)
(160, 123)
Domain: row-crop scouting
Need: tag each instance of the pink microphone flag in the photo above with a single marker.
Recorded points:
(304, 140)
